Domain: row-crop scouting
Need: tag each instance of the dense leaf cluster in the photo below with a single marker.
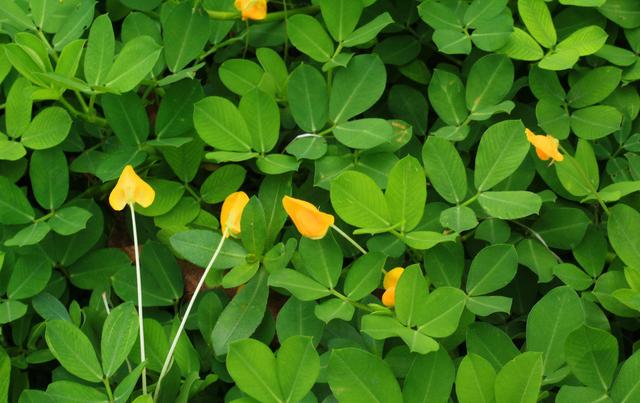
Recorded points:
(405, 120)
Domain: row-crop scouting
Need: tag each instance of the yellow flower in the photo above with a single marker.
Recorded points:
(231, 213)
(310, 222)
(546, 146)
(131, 189)
(391, 277)
(389, 297)
(252, 9)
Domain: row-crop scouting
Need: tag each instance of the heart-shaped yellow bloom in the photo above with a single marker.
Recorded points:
(310, 222)
(391, 277)
(252, 9)
(131, 189)
(546, 146)
(231, 213)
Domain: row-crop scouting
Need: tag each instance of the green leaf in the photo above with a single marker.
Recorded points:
(382, 327)
(49, 175)
(459, 218)
(262, 117)
(562, 227)
(253, 367)
(475, 379)
(322, 259)
(624, 239)
(168, 194)
(161, 278)
(622, 12)
(11, 150)
(550, 322)
(595, 122)
(298, 366)
(445, 169)
(364, 133)
(308, 98)
(584, 93)
(592, 355)
(359, 202)
(222, 182)
(356, 375)
(133, 63)
(175, 114)
(48, 129)
(197, 246)
(127, 116)
(406, 193)
(568, 394)
(334, 308)
(73, 349)
(491, 343)
(340, 17)
(221, 125)
(5, 375)
(502, 149)
(446, 94)
(482, 10)
(95, 269)
(242, 76)
(368, 31)
(560, 59)
(12, 12)
(488, 305)
(452, 41)
(430, 378)
(364, 275)
(492, 269)
(443, 309)
(14, 206)
(119, 334)
(572, 276)
(444, 264)
(510, 205)
(297, 318)
(68, 392)
(357, 87)
(489, 81)
(309, 37)
(626, 387)
(521, 46)
(184, 33)
(411, 297)
(30, 235)
(11, 310)
(585, 41)
(276, 164)
(243, 314)
(100, 51)
(537, 19)
(423, 240)
(29, 277)
(253, 225)
(520, 379)
(580, 174)
(73, 26)
(69, 59)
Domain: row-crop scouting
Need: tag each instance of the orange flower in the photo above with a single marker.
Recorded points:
(252, 9)
(546, 146)
(389, 297)
(231, 213)
(310, 222)
(392, 277)
(131, 189)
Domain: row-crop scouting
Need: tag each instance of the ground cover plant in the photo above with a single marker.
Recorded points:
(319, 201)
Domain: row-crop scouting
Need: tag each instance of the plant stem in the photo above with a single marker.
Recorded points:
(352, 302)
(174, 343)
(136, 251)
(348, 238)
(222, 44)
(107, 386)
(471, 200)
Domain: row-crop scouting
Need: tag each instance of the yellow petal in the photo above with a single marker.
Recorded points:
(252, 9)
(131, 189)
(546, 146)
(231, 213)
(391, 277)
(389, 297)
(310, 222)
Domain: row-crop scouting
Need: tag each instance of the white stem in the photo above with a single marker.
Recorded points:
(143, 356)
(174, 343)
(105, 302)
(348, 238)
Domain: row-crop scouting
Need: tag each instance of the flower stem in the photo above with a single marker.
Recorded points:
(174, 343)
(348, 238)
(136, 251)
(350, 301)
(107, 386)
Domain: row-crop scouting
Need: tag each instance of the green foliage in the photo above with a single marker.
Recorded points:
(403, 120)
